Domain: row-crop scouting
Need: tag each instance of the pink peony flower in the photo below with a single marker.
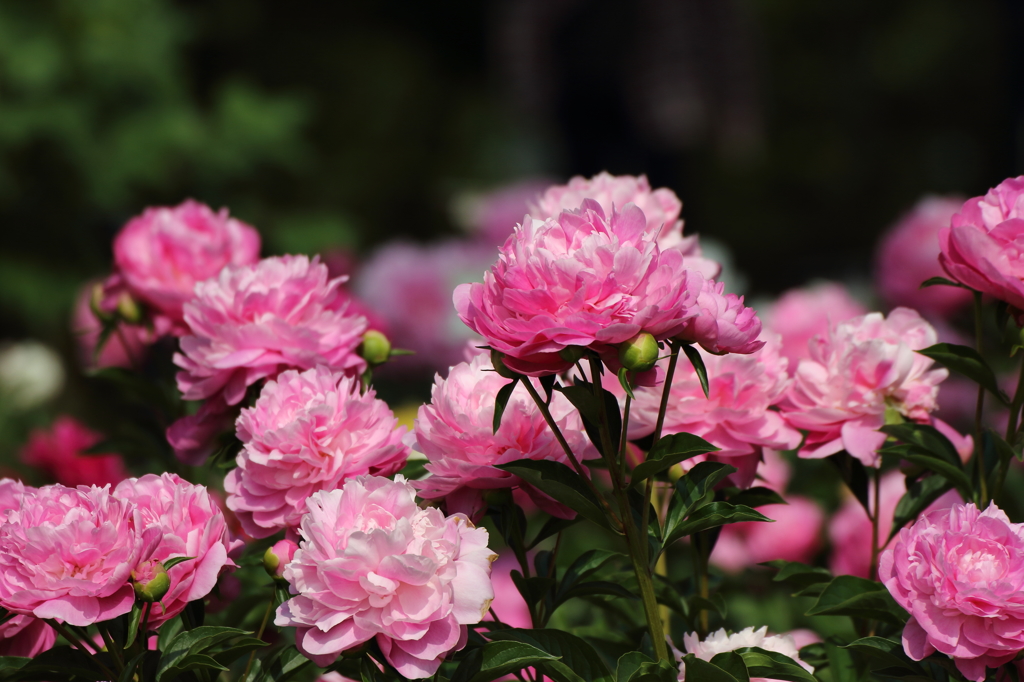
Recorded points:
(11, 492)
(719, 642)
(192, 525)
(255, 321)
(734, 417)
(723, 324)
(60, 452)
(67, 553)
(581, 279)
(163, 253)
(308, 431)
(801, 314)
(411, 285)
(373, 564)
(661, 207)
(795, 536)
(856, 372)
(455, 433)
(26, 636)
(980, 248)
(909, 254)
(959, 572)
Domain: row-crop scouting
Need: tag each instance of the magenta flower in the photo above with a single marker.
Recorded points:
(908, 254)
(308, 431)
(372, 564)
(861, 368)
(581, 279)
(722, 324)
(981, 247)
(60, 452)
(163, 253)
(255, 321)
(67, 553)
(454, 431)
(959, 572)
(192, 525)
(734, 417)
(798, 315)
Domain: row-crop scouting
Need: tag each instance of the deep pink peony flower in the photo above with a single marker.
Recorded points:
(908, 254)
(798, 315)
(720, 642)
(26, 636)
(255, 321)
(981, 247)
(734, 417)
(723, 324)
(661, 207)
(163, 253)
(858, 370)
(308, 431)
(581, 279)
(410, 285)
(959, 572)
(192, 525)
(795, 536)
(373, 564)
(454, 431)
(60, 452)
(67, 553)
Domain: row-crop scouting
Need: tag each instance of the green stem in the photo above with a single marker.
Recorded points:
(667, 390)
(979, 455)
(700, 572)
(259, 635)
(111, 647)
(144, 624)
(875, 549)
(75, 642)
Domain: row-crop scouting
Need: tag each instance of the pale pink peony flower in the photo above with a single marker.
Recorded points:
(959, 572)
(455, 433)
(908, 254)
(798, 315)
(373, 564)
(723, 324)
(192, 525)
(255, 321)
(720, 642)
(734, 417)
(60, 452)
(581, 279)
(163, 253)
(67, 553)
(981, 246)
(26, 636)
(795, 536)
(410, 286)
(856, 372)
(661, 207)
(308, 431)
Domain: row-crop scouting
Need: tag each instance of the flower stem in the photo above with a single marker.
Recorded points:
(259, 635)
(700, 574)
(75, 642)
(873, 566)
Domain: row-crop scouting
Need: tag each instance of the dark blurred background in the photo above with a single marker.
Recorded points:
(794, 131)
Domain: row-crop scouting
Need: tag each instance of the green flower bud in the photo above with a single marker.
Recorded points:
(150, 581)
(95, 301)
(639, 353)
(499, 365)
(128, 309)
(375, 348)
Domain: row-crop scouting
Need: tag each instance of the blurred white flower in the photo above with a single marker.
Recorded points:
(31, 373)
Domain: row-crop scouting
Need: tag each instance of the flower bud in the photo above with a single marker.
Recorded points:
(96, 304)
(277, 557)
(128, 309)
(639, 353)
(375, 348)
(150, 581)
(499, 365)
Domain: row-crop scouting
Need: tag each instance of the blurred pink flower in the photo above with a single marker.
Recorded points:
(795, 535)
(308, 431)
(26, 636)
(60, 452)
(734, 417)
(67, 553)
(163, 253)
(581, 279)
(723, 324)
(959, 573)
(410, 287)
(508, 603)
(798, 315)
(981, 247)
(492, 215)
(455, 433)
(908, 254)
(720, 642)
(857, 371)
(372, 564)
(192, 525)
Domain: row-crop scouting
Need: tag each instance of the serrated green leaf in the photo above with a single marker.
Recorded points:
(849, 595)
(561, 483)
(968, 362)
(669, 451)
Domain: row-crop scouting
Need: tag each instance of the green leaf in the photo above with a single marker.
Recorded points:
(698, 365)
(773, 665)
(9, 664)
(942, 281)
(732, 663)
(594, 588)
(920, 494)
(174, 561)
(551, 527)
(533, 589)
(497, 659)
(968, 362)
(690, 490)
(703, 671)
(285, 664)
(65, 660)
(855, 476)
(886, 653)
(561, 483)
(651, 671)
(669, 451)
(756, 497)
(578, 660)
(925, 439)
(849, 595)
(624, 382)
(711, 516)
(185, 664)
(192, 649)
(587, 564)
(797, 574)
(129, 669)
(500, 401)
(132, 629)
(629, 663)
(591, 408)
